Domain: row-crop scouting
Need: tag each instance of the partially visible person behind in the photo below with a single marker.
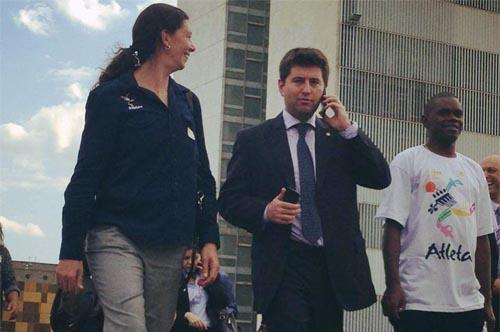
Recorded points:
(491, 169)
(198, 307)
(225, 280)
(142, 169)
(437, 217)
(8, 281)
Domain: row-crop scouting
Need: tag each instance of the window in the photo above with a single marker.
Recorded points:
(255, 34)
(237, 22)
(239, 3)
(229, 130)
(235, 58)
(223, 171)
(233, 111)
(228, 244)
(234, 95)
(244, 254)
(253, 71)
(252, 107)
(259, 4)
(244, 295)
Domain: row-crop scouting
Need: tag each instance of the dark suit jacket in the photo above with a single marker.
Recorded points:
(262, 164)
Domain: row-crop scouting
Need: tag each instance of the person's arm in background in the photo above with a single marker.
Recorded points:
(9, 285)
(483, 274)
(227, 284)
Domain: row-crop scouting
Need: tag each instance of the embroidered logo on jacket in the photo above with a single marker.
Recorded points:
(130, 101)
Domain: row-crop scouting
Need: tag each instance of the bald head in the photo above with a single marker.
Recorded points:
(491, 169)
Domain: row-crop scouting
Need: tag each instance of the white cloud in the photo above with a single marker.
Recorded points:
(72, 74)
(41, 152)
(75, 91)
(91, 13)
(23, 229)
(38, 19)
(143, 5)
(14, 131)
(64, 123)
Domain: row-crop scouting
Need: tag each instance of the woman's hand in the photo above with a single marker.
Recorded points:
(210, 264)
(69, 275)
(195, 321)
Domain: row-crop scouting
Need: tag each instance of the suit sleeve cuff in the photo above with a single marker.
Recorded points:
(350, 132)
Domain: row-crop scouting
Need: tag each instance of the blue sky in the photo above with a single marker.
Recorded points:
(50, 55)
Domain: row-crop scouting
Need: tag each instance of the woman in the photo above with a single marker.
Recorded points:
(8, 281)
(133, 194)
(198, 307)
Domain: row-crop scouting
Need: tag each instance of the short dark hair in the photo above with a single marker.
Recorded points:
(431, 103)
(304, 57)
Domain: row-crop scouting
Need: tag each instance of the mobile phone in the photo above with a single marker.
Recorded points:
(326, 111)
(291, 196)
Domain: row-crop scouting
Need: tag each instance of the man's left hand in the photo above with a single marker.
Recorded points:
(211, 265)
(489, 317)
(340, 121)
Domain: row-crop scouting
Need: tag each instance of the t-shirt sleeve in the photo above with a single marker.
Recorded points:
(485, 218)
(396, 198)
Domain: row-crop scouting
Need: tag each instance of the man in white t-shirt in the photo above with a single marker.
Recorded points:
(437, 216)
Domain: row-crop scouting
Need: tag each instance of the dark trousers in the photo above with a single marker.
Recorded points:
(424, 321)
(305, 301)
(496, 310)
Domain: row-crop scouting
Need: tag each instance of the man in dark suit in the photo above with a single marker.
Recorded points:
(308, 259)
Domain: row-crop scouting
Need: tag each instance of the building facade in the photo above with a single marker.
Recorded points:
(37, 282)
(387, 58)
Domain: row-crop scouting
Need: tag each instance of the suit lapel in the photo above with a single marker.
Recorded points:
(324, 150)
(278, 142)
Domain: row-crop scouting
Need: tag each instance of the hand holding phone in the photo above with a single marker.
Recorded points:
(291, 196)
(282, 210)
(323, 112)
(333, 112)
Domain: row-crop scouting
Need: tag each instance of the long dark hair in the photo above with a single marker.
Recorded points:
(146, 37)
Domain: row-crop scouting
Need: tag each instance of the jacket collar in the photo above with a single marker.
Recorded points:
(129, 83)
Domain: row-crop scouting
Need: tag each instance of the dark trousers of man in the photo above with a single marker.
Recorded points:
(423, 321)
(496, 310)
(305, 301)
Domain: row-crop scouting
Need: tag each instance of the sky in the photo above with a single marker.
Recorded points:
(51, 53)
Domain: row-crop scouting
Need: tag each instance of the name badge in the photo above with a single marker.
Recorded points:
(190, 133)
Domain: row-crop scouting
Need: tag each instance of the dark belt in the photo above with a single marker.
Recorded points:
(296, 246)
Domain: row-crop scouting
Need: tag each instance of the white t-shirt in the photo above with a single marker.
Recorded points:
(443, 205)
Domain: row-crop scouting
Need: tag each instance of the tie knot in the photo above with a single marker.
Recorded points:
(302, 128)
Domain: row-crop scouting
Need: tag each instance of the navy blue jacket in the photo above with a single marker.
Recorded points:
(139, 168)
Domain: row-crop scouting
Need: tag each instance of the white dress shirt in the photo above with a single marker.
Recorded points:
(293, 137)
